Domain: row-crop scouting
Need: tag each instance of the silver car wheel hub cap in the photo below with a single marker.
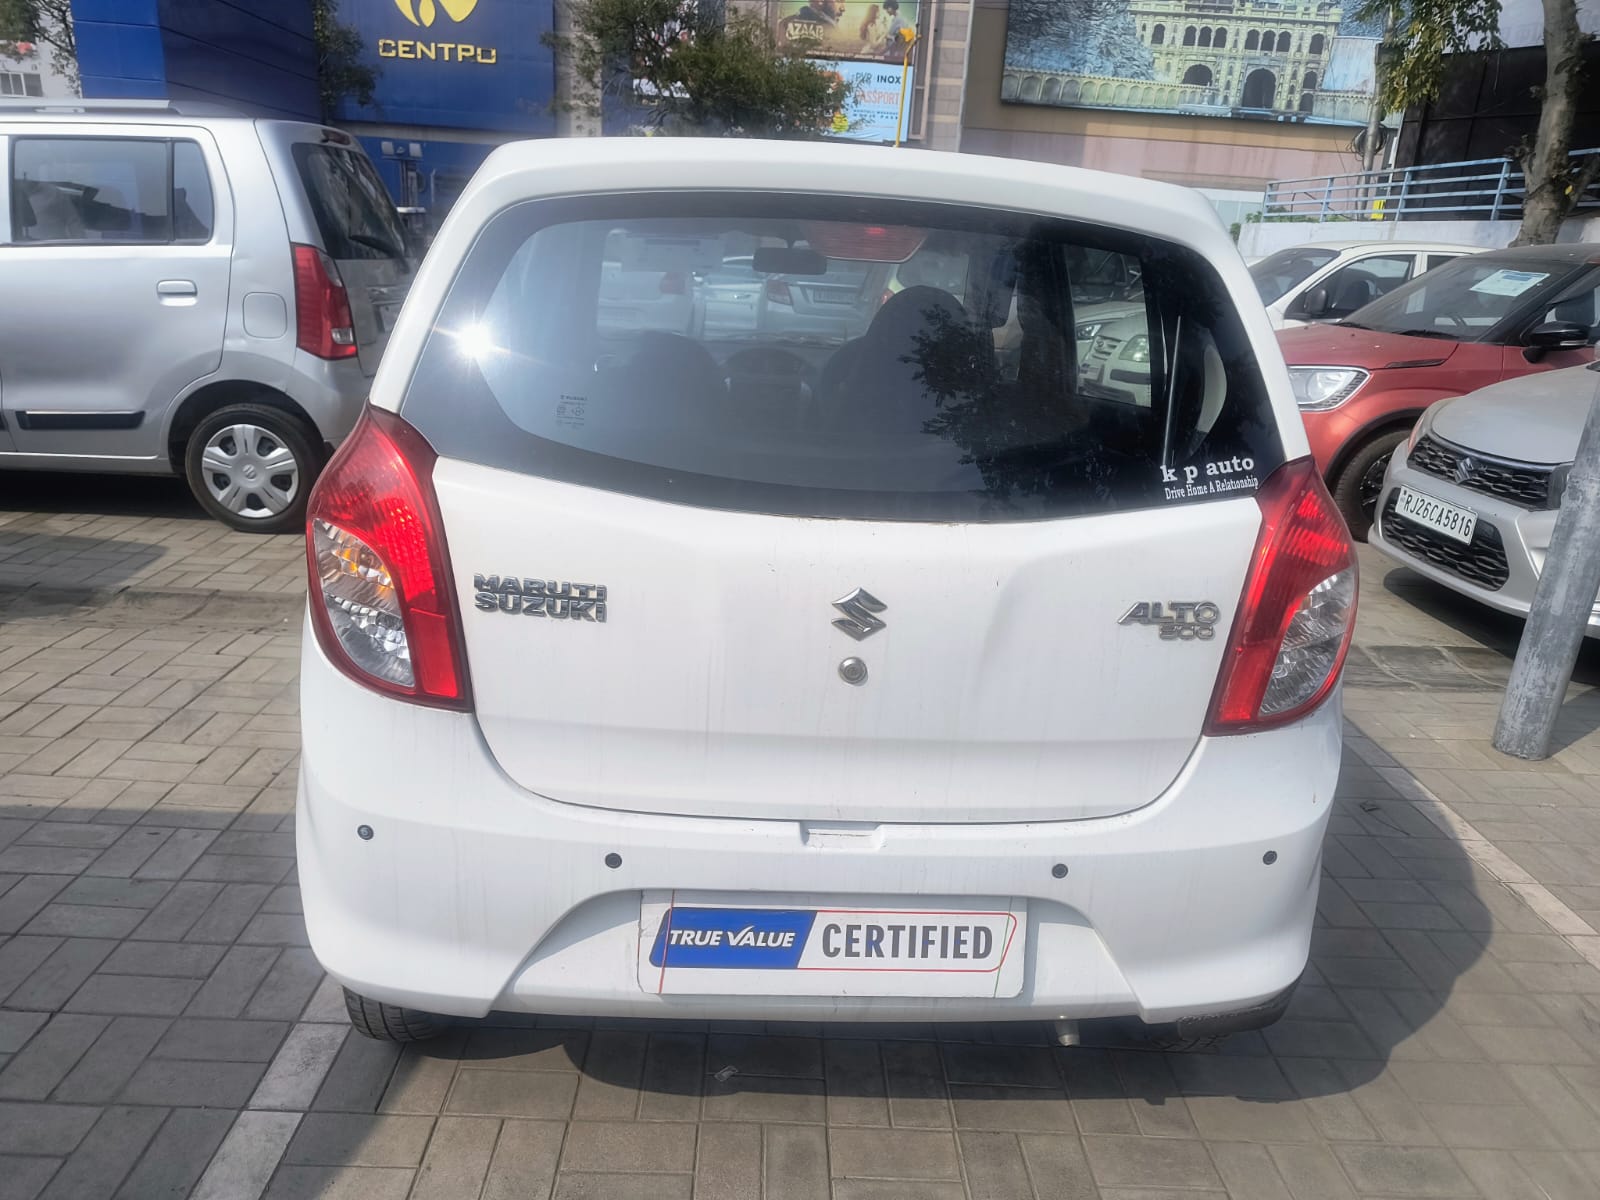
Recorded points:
(249, 471)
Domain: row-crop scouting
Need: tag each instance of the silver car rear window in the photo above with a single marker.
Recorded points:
(844, 357)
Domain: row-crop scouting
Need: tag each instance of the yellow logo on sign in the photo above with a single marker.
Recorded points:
(423, 12)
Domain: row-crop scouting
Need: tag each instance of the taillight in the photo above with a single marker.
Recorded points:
(778, 292)
(1298, 611)
(382, 603)
(674, 284)
(321, 306)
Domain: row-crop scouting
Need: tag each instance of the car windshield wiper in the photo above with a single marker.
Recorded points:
(1427, 333)
(1353, 325)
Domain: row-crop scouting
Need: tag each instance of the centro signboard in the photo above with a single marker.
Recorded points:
(463, 64)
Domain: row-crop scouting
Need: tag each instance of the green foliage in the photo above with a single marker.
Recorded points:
(1411, 60)
(47, 22)
(696, 68)
(340, 69)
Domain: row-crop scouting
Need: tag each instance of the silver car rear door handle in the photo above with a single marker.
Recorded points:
(177, 287)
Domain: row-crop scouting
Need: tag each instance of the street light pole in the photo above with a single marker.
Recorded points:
(1562, 603)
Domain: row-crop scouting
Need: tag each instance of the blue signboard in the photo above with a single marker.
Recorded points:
(458, 64)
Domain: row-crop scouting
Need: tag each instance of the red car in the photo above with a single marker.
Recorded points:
(1361, 383)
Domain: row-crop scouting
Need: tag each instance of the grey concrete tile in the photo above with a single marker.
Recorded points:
(1228, 1119)
(341, 1183)
(221, 1040)
(457, 1158)
(544, 1095)
(1403, 1170)
(358, 1077)
(17, 1027)
(892, 1189)
(854, 1079)
(795, 1162)
(192, 1084)
(106, 1154)
(233, 982)
(61, 974)
(298, 1068)
(133, 995)
(1311, 1173)
(107, 1066)
(33, 1073)
(360, 1140)
(1149, 1162)
(173, 1163)
(1248, 1172)
(728, 1163)
(993, 1166)
(1003, 1066)
(765, 1099)
(624, 1187)
(918, 1094)
(674, 1077)
(525, 1049)
(288, 986)
(1496, 1173)
(1010, 1108)
(628, 1146)
(798, 1058)
(23, 1178)
(609, 1088)
(54, 1129)
(524, 1162)
(894, 1154)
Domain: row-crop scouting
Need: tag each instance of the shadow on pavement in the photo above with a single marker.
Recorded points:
(123, 495)
(43, 572)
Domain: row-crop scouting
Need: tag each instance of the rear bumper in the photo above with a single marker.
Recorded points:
(475, 894)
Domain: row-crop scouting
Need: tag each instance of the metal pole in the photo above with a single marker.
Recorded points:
(1561, 606)
(905, 72)
(1500, 190)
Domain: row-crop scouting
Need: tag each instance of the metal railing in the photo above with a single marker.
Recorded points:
(1484, 189)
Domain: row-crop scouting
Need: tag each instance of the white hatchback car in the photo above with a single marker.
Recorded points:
(643, 680)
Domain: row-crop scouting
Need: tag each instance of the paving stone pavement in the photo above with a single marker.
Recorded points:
(165, 1031)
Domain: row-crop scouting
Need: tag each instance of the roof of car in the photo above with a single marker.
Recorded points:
(558, 166)
(1369, 244)
(1568, 252)
(143, 112)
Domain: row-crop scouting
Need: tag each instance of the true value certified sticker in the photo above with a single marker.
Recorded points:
(811, 946)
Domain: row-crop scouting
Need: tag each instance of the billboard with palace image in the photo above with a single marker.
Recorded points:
(1294, 60)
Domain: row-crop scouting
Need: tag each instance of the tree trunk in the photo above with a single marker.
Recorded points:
(1553, 187)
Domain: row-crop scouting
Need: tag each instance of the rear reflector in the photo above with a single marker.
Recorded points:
(1298, 611)
(323, 325)
(382, 604)
(778, 292)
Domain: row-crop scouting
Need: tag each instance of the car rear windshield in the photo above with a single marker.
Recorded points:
(1464, 300)
(352, 208)
(894, 360)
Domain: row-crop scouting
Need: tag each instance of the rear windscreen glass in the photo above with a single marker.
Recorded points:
(352, 208)
(844, 357)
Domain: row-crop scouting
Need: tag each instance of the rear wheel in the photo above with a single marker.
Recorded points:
(251, 466)
(1360, 482)
(390, 1022)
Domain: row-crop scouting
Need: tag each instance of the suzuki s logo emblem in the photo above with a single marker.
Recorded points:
(858, 608)
(1466, 468)
(423, 12)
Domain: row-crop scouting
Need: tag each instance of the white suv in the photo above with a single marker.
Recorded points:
(656, 675)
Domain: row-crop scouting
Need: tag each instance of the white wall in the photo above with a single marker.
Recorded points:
(37, 62)
(1267, 237)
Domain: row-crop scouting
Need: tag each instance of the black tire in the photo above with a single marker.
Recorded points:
(389, 1022)
(1360, 481)
(277, 429)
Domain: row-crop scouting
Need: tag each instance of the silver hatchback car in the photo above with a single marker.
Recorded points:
(192, 292)
(1471, 497)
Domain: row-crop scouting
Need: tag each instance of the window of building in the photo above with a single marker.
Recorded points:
(1159, 35)
(21, 83)
(1252, 40)
(1316, 43)
(1205, 37)
(1221, 41)
(1189, 36)
(1284, 42)
(1310, 81)
(1199, 75)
